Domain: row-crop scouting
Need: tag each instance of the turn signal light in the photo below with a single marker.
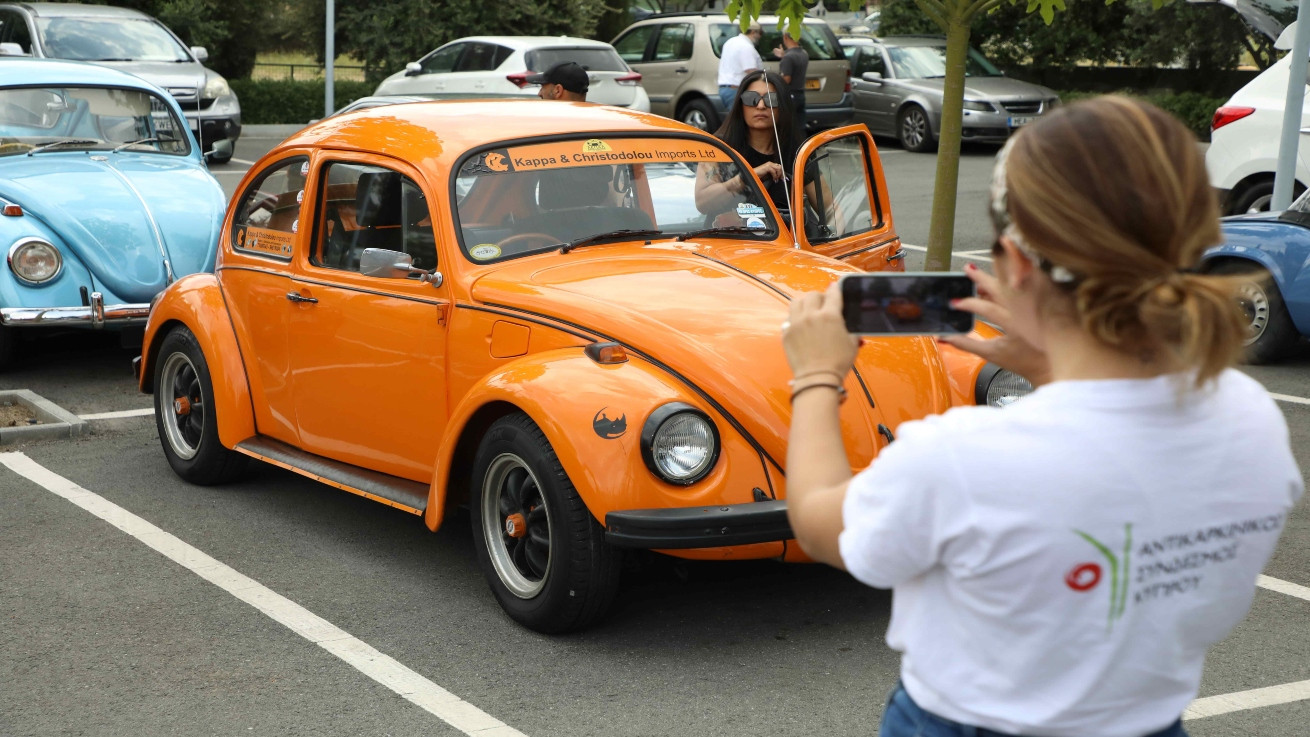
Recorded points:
(13, 211)
(1227, 114)
(520, 79)
(606, 353)
(848, 81)
(631, 80)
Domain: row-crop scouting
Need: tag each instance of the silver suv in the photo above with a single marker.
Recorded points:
(677, 55)
(136, 43)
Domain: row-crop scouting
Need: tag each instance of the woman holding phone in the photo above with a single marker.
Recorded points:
(1060, 566)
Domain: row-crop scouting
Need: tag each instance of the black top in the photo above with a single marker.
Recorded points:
(795, 63)
(775, 189)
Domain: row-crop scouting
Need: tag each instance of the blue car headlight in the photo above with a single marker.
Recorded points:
(679, 443)
(997, 387)
(35, 261)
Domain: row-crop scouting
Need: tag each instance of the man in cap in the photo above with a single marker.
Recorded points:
(738, 57)
(565, 81)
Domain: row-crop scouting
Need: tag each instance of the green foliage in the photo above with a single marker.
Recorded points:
(791, 13)
(280, 101)
(1194, 109)
(386, 36)
(1128, 32)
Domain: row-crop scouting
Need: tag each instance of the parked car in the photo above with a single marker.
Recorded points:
(1246, 130)
(678, 57)
(104, 194)
(898, 92)
(488, 303)
(502, 64)
(133, 42)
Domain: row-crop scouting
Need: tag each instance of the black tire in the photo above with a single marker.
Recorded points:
(558, 574)
(914, 130)
(188, 429)
(1256, 197)
(699, 113)
(1270, 331)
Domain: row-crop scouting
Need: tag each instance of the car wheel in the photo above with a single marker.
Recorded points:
(700, 114)
(1256, 197)
(541, 551)
(184, 413)
(1270, 331)
(914, 131)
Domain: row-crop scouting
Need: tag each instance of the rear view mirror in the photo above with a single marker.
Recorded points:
(9, 48)
(222, 149)
(201, 53)
(875, 77)
(412, 69)
(388, 264)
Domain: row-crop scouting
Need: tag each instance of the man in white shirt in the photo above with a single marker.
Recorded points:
(738, 57)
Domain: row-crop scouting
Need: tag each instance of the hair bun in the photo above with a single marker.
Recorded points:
(1169, 290)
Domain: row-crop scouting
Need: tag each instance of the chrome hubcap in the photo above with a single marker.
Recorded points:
(696, 118)
(184, 426)
(516, 526)
(1255, 305)
(913, 128)
(1261, 204)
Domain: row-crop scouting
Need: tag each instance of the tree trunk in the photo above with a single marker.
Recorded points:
(941, 230)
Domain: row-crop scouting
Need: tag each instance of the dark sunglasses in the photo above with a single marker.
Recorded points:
(751, 98)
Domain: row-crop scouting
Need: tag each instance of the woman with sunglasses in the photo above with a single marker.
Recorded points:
(759, 127)
(1060, 565)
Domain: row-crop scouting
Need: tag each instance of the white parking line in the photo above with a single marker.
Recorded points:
(1290, 399)
(117, 415)
(1243, 700)
(387, 671)
(1284, 587)
(241, 161)
(974, 255)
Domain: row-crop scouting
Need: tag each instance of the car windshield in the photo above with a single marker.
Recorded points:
(109, 39)
(75, 118)
(926, 62)
(527, 199)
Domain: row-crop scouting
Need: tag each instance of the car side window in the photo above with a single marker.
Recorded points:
(840, 191)
(268, 214)
(366, 206)
(13, 29)
(442, 60)
(632, 45)
(868, 59)
(674, 42)
(479, 57)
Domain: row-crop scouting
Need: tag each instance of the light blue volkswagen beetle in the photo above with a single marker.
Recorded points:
(105, 198)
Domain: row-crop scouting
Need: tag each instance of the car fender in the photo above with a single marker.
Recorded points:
(196, 302)
(963, 367)
(592, 415)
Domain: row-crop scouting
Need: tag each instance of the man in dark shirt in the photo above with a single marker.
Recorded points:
(793, 66)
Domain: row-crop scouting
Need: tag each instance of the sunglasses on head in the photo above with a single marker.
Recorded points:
(751, 98)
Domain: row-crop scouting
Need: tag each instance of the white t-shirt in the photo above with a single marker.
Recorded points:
(1060, 566)
(737, 57)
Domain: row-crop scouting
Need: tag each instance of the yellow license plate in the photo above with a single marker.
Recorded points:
(812, 84)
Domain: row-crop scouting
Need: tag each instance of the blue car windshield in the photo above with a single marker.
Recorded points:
(88, 118)
(109, 39)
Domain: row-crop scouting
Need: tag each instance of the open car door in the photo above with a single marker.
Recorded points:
(844, 211)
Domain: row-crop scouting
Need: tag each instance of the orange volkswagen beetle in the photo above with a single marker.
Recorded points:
(546, 311)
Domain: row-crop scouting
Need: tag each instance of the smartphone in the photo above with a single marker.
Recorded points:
(906, 303)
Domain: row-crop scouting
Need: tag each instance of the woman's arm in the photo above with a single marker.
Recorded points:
(714, 195)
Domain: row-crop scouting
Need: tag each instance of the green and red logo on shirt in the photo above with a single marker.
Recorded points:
(1085, 576)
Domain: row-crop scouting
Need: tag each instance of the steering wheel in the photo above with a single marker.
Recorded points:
(536, 240)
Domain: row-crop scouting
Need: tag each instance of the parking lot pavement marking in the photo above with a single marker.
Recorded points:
(1243, 700)
(975, 255)
(382, 668)
(1289, 398)
(117, 415)
(1284, 587)
(242, 161)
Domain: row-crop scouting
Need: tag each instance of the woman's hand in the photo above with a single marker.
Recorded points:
(815, 336)
(769, 171)
(1008, 351)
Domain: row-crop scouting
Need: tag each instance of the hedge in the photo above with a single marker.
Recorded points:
(1193, 108)
(281, 101)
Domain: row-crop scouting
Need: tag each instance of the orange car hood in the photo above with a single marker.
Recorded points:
(712, 314)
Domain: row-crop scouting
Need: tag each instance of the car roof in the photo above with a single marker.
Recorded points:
(35, 72)
(856, 40)
(908, 40)
(522, 43)
(422, 132)
(76, 10)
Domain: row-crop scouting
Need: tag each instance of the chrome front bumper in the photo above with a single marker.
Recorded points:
(97, 314)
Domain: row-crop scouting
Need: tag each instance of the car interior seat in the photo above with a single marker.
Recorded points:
(572, 203)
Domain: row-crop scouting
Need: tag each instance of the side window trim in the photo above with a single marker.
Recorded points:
(245, 243)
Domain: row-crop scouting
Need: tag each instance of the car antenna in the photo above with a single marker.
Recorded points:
(777, 144)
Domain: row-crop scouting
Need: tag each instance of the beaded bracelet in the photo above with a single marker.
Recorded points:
(823, 372)
(841, 391)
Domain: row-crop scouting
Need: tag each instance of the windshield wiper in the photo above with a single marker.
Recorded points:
(730, 230)
(152, 139)
(67, 142)
(110, 59)
(623, 234)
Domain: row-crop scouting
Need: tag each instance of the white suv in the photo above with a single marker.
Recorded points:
(500, 65)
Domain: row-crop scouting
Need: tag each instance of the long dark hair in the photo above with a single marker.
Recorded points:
(734, 131)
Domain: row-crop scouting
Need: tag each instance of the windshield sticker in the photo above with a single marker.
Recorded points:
(304, 169)
(595, 152)
(264, 240)
(755, 224)
(300, 197)
(485, 251)
(295, 226)
(747, 209)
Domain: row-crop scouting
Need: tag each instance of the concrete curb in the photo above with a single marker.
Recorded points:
(56, 422)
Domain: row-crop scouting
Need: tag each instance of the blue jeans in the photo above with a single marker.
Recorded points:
(727, 93)
(904, 718)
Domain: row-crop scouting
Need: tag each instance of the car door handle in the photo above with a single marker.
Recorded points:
(298, 297)
(900, 254)
(682, 70)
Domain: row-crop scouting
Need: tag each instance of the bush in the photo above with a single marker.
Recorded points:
(1193, 108)
(281, 101)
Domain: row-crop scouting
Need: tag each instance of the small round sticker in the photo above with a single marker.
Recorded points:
(755, 224)
(295, 226)
(485, 251)
(300, 197)
(304, 169)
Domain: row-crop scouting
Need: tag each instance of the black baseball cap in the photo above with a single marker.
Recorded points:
(566, 74)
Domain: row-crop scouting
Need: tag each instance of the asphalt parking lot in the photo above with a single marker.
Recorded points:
(135, 604)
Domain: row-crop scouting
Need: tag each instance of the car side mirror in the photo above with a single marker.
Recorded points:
(10, 48)
(388, 264)
(201, 53)
(875, 77)
(222, 149)
(413, 68)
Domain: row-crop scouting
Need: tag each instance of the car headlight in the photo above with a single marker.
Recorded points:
(679, 443)
(35, 261)
(982, 107)
(998, 387)
(215, 87)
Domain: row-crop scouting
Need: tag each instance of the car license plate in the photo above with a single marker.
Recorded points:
(812, 84)
(1017, 121)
